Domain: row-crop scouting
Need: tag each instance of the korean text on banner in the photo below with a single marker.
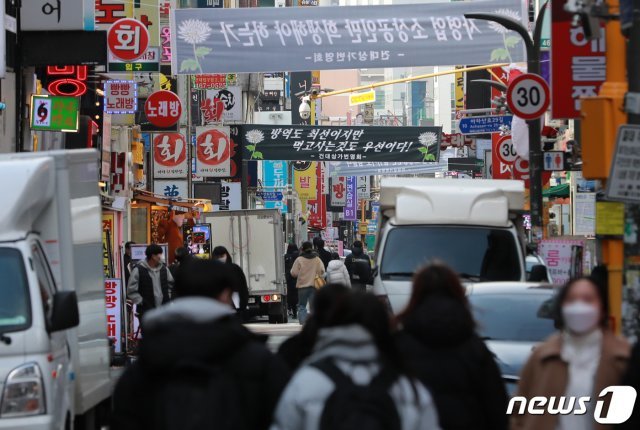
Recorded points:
(351, 207)
(213, 152)
(170, 156)
(120, 97)
(339, 191)
(56, 15)
(333, 143)
(171, 189)
(113, 298)
(564, 258)
(331, 38)
(275, 178)
(318, 206)
(579, 66)
(305, 180)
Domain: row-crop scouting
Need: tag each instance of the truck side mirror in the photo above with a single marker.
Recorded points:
(65, 311)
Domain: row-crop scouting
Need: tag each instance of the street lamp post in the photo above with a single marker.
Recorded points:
(535, 146)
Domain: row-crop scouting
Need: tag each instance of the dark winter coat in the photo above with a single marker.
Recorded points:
(359, 268)
(440, 346)
(325, 256)
(204, 331)
(242, 287)
(289, 259)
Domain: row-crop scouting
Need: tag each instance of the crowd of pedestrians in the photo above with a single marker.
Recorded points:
(353, 365)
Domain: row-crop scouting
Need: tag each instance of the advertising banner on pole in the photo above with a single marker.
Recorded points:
(333, 143)
(578, 65)
(275, 178)
(230, 104)
(318, 207)
(355, 168)
(351, 207)
(331, 38)
(305, 180)
(113, 299)
(231, 193)
(213, 152)
(565, 258)
(170, 156)
(364, 187)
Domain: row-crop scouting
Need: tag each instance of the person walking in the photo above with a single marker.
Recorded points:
(581, 360)
(199, 367)
(439, 343)
(355, 377)
(325, 256)
(306, 269)
(359, 266)
(151, 284)
(292, 292)
(221, 254)
(337, 272)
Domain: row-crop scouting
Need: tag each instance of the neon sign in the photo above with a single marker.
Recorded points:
(71, 80)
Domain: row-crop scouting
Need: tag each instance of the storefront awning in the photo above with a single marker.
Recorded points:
(161, 201)
(557, 191)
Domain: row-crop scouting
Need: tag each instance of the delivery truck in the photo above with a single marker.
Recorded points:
(255, 240)
(54, 352)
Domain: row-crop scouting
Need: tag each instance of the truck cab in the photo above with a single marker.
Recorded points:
(54, 353)
(465, 224)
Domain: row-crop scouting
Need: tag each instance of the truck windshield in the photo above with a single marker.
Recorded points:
(14, 292)
(476, 253)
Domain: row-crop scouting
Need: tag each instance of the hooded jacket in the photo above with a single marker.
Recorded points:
(359, 266)
(204, 331)
(306, 268)
(354, 352)
(337, 273)
(445, 354)
(150, 287)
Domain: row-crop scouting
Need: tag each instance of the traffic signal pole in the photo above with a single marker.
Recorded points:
(535, 145)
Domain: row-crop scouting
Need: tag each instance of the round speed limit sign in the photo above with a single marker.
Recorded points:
(528, 96)
(506, 151)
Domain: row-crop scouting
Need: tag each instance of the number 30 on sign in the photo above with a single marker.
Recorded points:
(528, 96)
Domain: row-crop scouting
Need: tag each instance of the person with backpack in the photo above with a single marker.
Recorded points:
(199, 367)
(292, 292)
(439, 342)
(308, 270)
(359, 266)
(355, 379)
(337, 272)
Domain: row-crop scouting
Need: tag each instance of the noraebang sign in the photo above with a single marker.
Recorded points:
(348, 37)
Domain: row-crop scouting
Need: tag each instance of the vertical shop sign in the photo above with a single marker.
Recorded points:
(171, 189)
(339, 191)
(113, 299)
(318, 206)
(213, 152)
(275, 178)
(351, 207)
(231, 197)
(305, 179)
(170, 156)
(579, 65)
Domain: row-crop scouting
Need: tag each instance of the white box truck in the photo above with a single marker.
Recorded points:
(54, 352)
(255, 241)
(469, 225)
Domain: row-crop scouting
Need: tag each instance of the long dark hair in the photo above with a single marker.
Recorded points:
(600, 289)
(219, 251)
(292, 248)
(436, 280)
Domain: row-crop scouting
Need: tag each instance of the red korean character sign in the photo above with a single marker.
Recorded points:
(67, 80)
(213, 152)
(578, 65)
(120, 97)
(521, 171)
(169, 156)
(163, 109)
(128, 39)
(113, 301)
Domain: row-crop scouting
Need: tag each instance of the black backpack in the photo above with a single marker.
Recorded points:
(361, 270)
(361, 407)
(194, 396)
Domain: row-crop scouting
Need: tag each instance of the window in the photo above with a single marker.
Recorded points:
(45, 280)
(15, 309)
(474, 252)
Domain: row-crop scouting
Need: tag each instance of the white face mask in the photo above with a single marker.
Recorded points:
(223, 259)
(580, 317)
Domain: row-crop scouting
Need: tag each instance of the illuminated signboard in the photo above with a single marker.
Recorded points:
(120, 97)
(67, 80)
(54, 113)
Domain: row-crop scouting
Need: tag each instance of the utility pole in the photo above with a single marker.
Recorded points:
(535, 146)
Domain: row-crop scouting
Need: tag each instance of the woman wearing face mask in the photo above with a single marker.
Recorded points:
(580, 361)
(240, 301)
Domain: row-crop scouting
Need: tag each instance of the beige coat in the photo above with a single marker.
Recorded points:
(546, 374)
(306, 269)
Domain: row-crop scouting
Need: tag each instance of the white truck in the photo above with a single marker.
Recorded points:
(54, 352)
(255, 240)
(470, 225)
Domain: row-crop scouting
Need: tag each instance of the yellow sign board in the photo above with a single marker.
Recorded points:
(609, 219)
(305, 180)
(362, 98)
(363, 227)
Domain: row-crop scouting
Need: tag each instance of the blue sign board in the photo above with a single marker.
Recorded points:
(275, 174)
(484, 124)
(270, 196)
